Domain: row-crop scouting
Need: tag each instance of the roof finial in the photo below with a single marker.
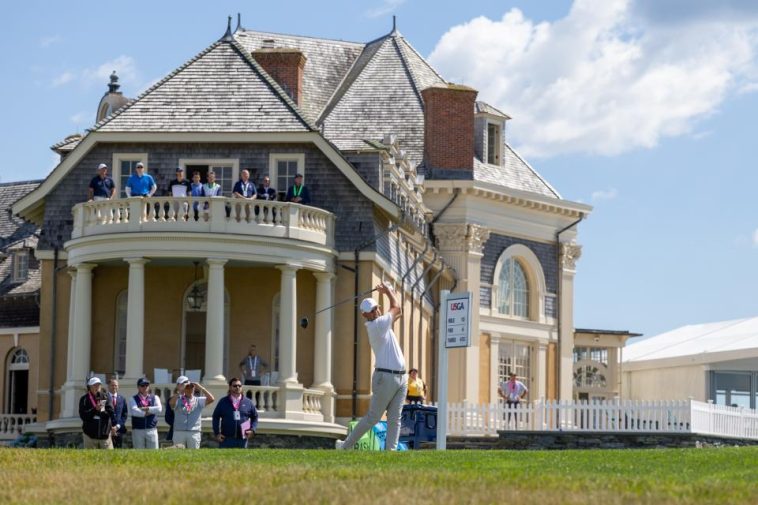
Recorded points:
(228, 35)
(239, 23)
(113, 85)
(394, 23)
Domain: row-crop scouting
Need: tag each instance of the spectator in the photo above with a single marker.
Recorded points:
(245, 189)
(101, 187)
(211, 188)
(188, 410)
(180, 188)
(145, 408)
(298, 193)
(196, 191)
(512, 391)
(140, 183)
(120, 412)
(97, 417)
(416, 387)
(180, 381)
(251, 365)
(266, 192)
(235, 418)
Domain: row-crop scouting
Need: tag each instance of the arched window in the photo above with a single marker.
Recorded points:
(19, 360)
(513, 292)
(119, 341)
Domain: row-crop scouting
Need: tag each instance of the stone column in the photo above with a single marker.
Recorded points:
(288, 325)
(80, 341)
(322, 346)
(461, 245)
(570, 252)
(214, 323)
(135, 320)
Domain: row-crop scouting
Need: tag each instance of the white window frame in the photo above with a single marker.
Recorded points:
(213, 162)
(273, 172)
(498, 148)
(116, 166)
(535, 278)
(17, 276)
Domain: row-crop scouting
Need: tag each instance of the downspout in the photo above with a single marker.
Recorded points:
(559, 297)
(53, 336)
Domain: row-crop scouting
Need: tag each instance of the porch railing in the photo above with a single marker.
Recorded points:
(11, 425)
(685, 416)
(204, 215)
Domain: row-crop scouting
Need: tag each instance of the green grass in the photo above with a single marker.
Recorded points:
(724, 475)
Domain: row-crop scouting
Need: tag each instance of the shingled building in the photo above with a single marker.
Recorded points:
(412, 182)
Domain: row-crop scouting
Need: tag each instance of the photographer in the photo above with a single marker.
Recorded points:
(97, 417)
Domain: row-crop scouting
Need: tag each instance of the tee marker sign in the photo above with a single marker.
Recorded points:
(458, 320)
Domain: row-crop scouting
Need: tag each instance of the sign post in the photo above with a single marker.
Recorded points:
(454, 331)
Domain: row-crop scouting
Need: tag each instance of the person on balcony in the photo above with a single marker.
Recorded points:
(145, 408)
(416, 387)
(235, 418)
(101, 187)
(251, 366)
(120, 412)
(265, 191)
(140, 183)
(188, 409)
(298, 193)
(180, 188)
(244, 189)
(196, 191)
(212, 189)
(389, 382)
(97, 416)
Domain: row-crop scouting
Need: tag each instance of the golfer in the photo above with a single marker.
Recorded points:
(389, 383)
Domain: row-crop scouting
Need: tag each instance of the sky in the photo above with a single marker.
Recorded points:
(643, 109)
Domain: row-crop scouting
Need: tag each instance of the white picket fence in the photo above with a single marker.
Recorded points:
(684, 416)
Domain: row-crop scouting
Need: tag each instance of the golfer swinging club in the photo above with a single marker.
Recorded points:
(389, 383)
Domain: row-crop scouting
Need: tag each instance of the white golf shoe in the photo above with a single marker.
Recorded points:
(338, 444)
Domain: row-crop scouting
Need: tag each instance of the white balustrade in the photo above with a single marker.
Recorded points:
(204, 215)
(312, 401)
(12, 425)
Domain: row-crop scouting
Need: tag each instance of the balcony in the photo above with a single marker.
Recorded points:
(221, 215)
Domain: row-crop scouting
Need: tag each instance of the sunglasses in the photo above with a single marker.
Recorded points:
(144, 385)
(236, 385)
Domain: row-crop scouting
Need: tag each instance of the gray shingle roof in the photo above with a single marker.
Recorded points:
(12, 228)
(33, 281)
(327, 63)
(489, 109)
(67, 144)
(220, 89)
(515, 174)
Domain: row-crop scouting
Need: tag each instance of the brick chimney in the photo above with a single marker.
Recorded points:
(286, 67)
(449, 127)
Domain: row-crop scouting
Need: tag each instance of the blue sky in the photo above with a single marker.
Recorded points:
(644, 109)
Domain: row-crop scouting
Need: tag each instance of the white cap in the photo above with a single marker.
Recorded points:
(93, 381)
(181, 380)
(102, 165)
(368, 304)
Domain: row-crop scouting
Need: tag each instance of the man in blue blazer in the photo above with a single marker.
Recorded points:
(298, 193)
(121, 411)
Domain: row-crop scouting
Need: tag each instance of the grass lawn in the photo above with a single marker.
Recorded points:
(725, 475)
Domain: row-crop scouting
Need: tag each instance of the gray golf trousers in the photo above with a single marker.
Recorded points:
(388, 393)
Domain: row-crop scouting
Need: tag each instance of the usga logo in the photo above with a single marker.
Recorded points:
(457, 306)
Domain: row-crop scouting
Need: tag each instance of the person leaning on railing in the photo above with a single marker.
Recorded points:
(101, 187)
(140, 183)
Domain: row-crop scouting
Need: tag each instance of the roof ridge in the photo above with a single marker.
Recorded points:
(410, 46)
(338, 91)
(537, 174)
(19, 183)
(152, 88)
(407, 68)
(245, 30)
(271, 82)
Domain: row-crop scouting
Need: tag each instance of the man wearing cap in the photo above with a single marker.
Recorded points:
(97, 417)
(120, 413)
(188, 410)
(180, 381)
(389, 382)
(101, 187)
(235, 418)
(144, 407)
(298, 193)
(140, 183)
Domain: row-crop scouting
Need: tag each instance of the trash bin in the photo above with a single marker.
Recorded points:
(418, 424)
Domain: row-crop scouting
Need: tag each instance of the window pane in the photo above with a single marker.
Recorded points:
(126, 170)
(513, 293)
(224, 179)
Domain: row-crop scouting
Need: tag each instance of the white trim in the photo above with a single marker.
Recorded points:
(35, 198)
(19, 330)
(704, 359)
(49, 254)
(15, 274)
(535, 278)
(116, 167)
(273, 173)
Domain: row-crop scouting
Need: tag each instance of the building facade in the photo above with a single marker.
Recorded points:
(412, 182)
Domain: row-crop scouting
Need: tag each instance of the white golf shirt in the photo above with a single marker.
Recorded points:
(384, 343)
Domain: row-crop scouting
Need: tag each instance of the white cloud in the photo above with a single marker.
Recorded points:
(603, 79)
(63, 78)
(755, 238)
(604, 194)
(386, 7)
(125, 67)
(50, 40)
(80, 117)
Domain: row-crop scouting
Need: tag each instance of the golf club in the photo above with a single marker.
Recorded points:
(305, 321)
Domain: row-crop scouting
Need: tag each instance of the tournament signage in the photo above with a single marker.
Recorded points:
(458, 320)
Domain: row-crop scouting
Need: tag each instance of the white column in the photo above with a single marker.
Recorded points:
(71, 319)
(287, 324)
(539, 389)
(322, 349)
(135, 320)
(80, 342)
(214, 322)
(570, 252)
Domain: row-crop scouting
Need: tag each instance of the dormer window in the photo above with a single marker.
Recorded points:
(494, 144)
(20, 269)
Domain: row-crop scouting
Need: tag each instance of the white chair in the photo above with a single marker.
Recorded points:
(193, 375)
(162, 376)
